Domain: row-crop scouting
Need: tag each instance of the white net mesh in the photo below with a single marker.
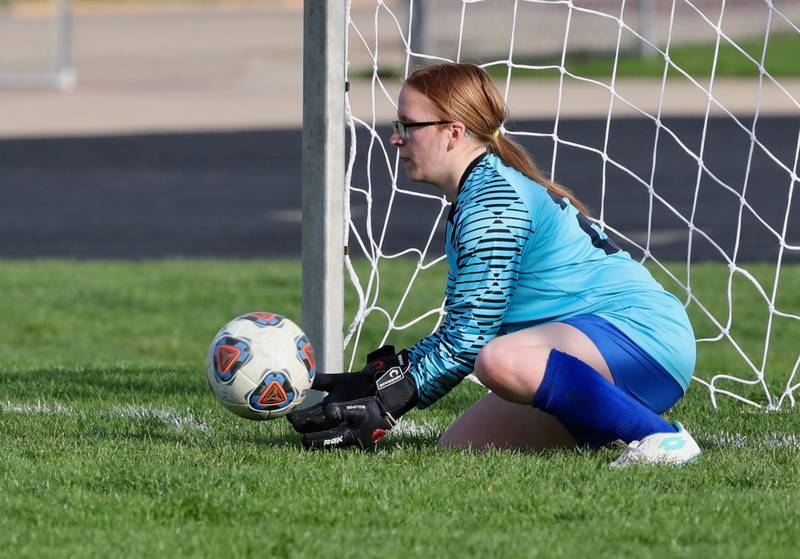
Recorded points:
(686, 168)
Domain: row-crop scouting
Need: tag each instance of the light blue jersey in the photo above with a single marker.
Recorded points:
(520, 257)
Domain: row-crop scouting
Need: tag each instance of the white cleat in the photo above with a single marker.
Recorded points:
(673, 449)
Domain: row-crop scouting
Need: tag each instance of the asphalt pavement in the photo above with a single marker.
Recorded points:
(237, 194)
(182, 139)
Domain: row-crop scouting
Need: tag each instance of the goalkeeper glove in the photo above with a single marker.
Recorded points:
(361, 408)
(342, 387)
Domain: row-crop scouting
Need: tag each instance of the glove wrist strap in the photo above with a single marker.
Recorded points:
(397, 390)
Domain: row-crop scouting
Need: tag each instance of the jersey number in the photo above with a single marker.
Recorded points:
(606, 245)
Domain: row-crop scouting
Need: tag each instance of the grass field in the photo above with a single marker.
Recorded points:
(113, 446)
(696, 59)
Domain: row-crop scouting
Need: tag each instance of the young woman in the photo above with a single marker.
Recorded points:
(577, 342)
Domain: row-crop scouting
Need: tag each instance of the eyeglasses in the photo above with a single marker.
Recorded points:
(402, 127)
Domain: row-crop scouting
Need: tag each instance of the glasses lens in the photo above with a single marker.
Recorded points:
(400, 128)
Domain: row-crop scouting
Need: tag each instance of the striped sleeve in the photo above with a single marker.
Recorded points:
(490, 232)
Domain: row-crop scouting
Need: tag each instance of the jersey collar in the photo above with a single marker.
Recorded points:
(464, 177)
(468, 170)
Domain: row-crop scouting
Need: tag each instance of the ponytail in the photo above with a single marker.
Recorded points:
(464, 92)
(514, 155)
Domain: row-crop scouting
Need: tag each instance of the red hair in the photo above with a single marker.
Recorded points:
(465, 93)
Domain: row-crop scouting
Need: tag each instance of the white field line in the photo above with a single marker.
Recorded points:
(182, 421)
(38, 408)
(174, 419)
(409, 428)
(725, 439)
(722, 439)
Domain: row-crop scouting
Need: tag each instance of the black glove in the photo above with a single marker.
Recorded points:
(341, 421)
(342, 387)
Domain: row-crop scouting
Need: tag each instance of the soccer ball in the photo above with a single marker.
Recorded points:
(260, 365)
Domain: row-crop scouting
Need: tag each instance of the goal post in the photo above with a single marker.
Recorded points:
(323, 180)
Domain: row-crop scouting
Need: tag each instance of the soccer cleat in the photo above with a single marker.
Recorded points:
(674, 449)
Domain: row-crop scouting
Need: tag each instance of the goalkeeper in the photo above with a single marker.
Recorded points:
(577, 342)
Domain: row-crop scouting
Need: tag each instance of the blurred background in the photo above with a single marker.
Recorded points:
(155, 129)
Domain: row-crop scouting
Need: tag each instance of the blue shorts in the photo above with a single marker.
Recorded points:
(633, 369)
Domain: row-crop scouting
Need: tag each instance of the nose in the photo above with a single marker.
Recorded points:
(396, 140)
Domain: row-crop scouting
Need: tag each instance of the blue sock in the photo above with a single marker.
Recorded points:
(593, 410)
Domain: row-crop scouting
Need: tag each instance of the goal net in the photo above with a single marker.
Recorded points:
(692, 169)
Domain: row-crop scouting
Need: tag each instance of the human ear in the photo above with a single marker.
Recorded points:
(457, 131)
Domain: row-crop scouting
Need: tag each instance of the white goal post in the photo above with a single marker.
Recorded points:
(324, 180)
(356, 53)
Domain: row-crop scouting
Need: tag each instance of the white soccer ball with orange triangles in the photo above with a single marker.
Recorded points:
(260, 365)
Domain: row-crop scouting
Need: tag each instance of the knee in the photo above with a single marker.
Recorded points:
(494, 364)
(514, 372)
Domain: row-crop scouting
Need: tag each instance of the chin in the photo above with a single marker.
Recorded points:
(414, 173)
